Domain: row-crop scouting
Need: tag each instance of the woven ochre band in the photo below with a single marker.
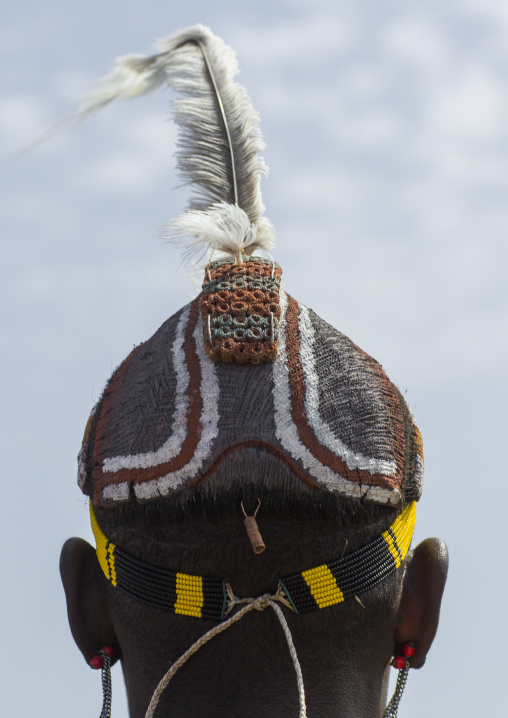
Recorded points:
(206, 597)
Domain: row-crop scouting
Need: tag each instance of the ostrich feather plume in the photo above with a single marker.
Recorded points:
(219, 144)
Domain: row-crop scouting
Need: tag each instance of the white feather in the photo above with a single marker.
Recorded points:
(219, 142)
(221, 228)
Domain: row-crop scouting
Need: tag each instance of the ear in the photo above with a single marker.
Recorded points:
(422, 590)
(86, 592)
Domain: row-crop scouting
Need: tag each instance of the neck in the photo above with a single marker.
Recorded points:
(247, 670)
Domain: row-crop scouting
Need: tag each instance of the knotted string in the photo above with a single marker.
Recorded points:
(249, 604)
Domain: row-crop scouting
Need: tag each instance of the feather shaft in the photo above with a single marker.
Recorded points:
(224, 119)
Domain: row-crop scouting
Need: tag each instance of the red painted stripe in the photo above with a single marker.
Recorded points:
(261, 446)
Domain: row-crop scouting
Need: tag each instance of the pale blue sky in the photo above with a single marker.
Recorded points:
(386, 130)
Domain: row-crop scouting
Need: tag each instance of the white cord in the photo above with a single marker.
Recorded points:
(258, 604)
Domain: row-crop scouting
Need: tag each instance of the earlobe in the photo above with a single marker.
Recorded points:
(86, 593)
(418, 615)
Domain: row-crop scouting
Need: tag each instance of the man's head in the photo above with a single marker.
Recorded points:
(246, 396)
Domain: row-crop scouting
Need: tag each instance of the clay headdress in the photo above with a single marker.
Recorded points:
(245, 381)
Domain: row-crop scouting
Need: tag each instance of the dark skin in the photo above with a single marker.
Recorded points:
(344, 650)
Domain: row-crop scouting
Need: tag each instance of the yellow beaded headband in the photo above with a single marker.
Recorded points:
(207, 596)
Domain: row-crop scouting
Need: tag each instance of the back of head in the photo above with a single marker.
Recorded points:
(245, 410)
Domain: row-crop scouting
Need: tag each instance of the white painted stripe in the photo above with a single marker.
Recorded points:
(322, 431)
(287, 432)
(418, 477)
(209, 429)
(378, 495)
(116, 492)
(81, 465)
(173, 445)
(82, 456)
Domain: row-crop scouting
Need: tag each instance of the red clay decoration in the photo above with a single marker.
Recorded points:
(97, 662)
(398, 662)
(409, 649)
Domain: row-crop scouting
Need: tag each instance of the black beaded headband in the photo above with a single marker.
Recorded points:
(207, 597)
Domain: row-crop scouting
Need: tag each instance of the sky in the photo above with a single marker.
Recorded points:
(387, 130)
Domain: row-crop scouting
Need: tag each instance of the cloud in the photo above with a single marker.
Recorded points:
(417, 39)
(21, 119)
(139, 152)
(287, 43)
(471, 105)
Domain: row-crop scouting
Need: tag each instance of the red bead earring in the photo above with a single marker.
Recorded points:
(398, 662)
(408, 651)
(103, 660)
(401, 663)
(98, 661)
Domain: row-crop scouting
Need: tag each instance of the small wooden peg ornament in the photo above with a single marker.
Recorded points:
(251, 526)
